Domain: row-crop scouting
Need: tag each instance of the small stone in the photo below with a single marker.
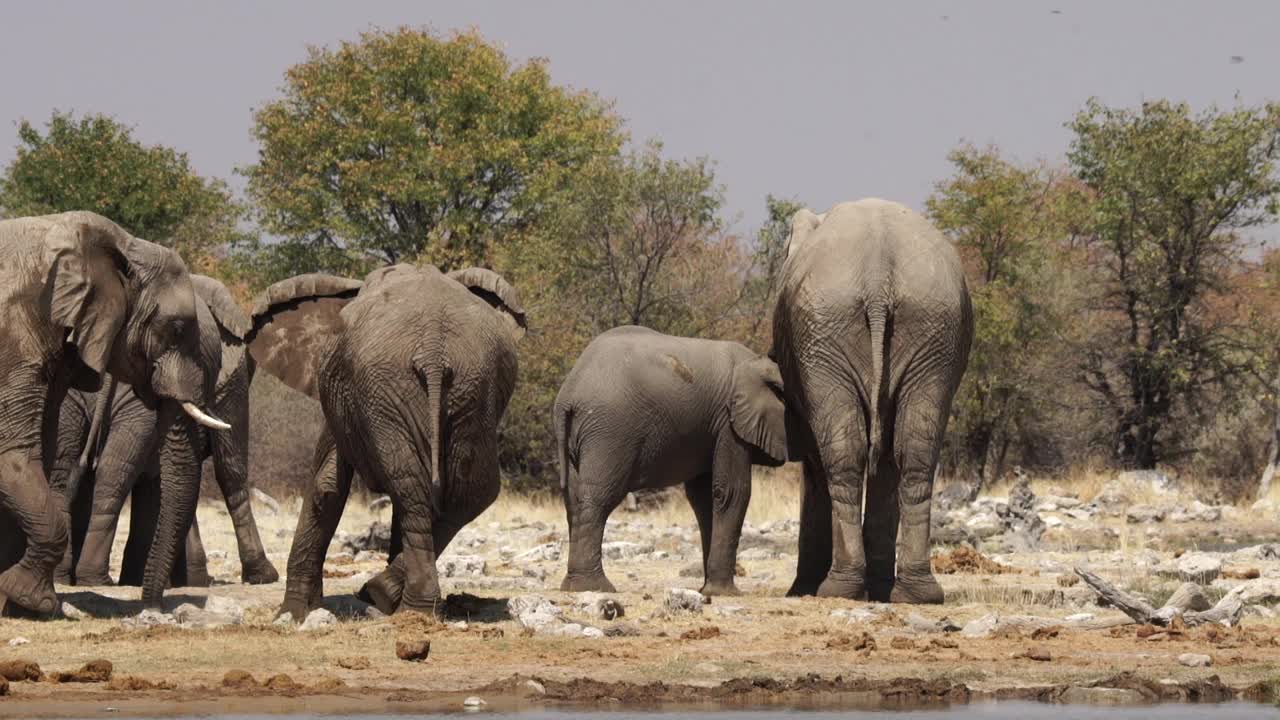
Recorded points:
(1195, 660)
(730, 610)
(1199, 567)
(413, 650)
(1138, 514)
(238, 679)
(535, 687)
(464, 565)
(1038, 653)
(18, 642)
(1079, 618)
(473, 702)
(318, 618)
(592, 632)
(358, 662)
(460, 625)
(545, 551)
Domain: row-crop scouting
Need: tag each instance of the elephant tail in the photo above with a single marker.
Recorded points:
(564, 421)
(435, 377)
(877, 318)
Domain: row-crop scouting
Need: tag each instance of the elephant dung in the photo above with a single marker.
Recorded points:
(684, 600)
(19, 670)
(462, 565)
(91, 672)
(413, 650)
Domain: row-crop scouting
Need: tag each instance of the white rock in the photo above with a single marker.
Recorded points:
(460, 625)
(622, 550)
(592, 632)
(659, 555)
(684, 600)
(546, 551)
(464, 565)
(149, 618)
(216, 554)
(474, 702)
(18, 641)
(1051, 521)
(1138, 514)
(1079, 618)
(1195, 660)
(730, 610)
(855, 615)
(535, 687)
(1199, 567)
(1258, 591)
(318, 618)
(191, 616)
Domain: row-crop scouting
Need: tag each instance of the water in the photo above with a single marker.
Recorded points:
(976, 711)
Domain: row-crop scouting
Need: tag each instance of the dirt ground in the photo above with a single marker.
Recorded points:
(757, 649)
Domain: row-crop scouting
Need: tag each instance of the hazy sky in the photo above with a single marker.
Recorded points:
(819, 101)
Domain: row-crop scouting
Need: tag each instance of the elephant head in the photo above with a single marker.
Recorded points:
(128, 308)
(757, 412)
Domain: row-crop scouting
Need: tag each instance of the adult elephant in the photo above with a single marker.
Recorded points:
(871, 333)
(643, 410)
(413, 369)
(125, 458)
(79, 298)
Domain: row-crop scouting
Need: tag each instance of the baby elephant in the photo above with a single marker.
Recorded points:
(645, 410)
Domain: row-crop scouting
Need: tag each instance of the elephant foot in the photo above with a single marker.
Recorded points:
(260, 572)
(430, 606)
(917, 590)
(879, 589)
(62, 576)
(587, 583)
(803, 586)
(296, 607)
(383, 591)
(720, 588)
(851, 586)
(27, 589)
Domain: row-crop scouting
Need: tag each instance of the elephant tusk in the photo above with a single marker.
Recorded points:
(204, 418)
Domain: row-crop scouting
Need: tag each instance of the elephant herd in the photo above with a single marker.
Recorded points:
(121, 372)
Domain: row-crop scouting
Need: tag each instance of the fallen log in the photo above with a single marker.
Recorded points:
(1226, 612)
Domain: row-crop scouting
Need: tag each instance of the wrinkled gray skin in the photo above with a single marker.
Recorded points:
(79, 297)
(128, 458)
(643, 410)
(414, 374)
(871, 333)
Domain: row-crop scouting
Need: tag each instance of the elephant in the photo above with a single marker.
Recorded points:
(81, 298)
(413, 369)
(125, 456)
(871, 332)
(644, 410)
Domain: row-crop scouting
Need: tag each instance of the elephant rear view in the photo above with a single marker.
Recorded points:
(871, 334)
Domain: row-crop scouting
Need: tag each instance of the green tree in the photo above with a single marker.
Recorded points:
(1172, 192)
(405, 146)
(94, 163)
(1012, 225)
(768, 258)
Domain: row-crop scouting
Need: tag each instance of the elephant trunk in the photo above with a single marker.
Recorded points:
(179, 490)
(877, 315)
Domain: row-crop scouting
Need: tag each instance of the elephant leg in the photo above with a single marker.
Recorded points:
(730, 495)
(592, 493)
(321, 510)
(385, 589)
(81, 510)
(144, 512)
(814, 561)
(880, 526)
(842, 445)
(922, 413)
(196, 565)
(26, 496)
(125, 456)
(421, 590)
(698, 492)
(230, 451)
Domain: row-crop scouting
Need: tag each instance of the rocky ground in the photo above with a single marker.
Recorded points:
(1019, 622)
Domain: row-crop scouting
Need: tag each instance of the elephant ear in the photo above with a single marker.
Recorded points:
(803, 223)
(757, 412)
(88, 259)
(226, 311)
(493, 289)
(293, 321)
